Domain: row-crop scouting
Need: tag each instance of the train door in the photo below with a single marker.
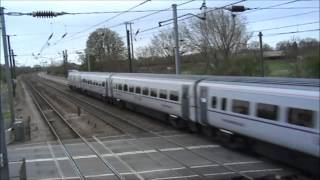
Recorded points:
(185, 102)
(106, 88)
(203, 104)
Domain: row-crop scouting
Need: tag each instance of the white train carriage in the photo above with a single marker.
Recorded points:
(165, 93)
(74, 79)
(284, 115)
(95, 84)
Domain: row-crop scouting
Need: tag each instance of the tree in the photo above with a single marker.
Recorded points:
(104, 45)
(255, 45)
(162, 44)
(218, 37)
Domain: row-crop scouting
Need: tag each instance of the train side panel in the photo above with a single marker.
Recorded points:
(236, 108)
(169, 96)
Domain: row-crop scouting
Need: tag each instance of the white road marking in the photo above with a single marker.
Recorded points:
(204, 146)
(32, 145)
(169, 169)
(55, 160)
(125, 173)
(247, 171)
(227, 164)
(117, 156)
(171, 149)
(262, 170)
(176, 177)
(243, 162)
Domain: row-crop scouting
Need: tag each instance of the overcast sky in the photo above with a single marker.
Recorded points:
(32, 33)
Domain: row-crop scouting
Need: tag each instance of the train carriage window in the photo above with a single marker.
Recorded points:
(125, 87)
(153, 92)
(267, 111)
(214, 102)
(145, 91)
(138, 90)
(174, 96)
(301, 117)
(103, 84)
(131, 88)
(120, 87)
(240, 106)
(223, 104)
(163, 94)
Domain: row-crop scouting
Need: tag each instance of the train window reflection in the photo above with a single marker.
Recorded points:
(213, 102)
(267, 111)
(163, 94)
(153, 92)
(223, 104)
(301, 117)
(241, 107)
(120, 87)
(145, 91)
(138, 90)
(174, 95)
(131, 88)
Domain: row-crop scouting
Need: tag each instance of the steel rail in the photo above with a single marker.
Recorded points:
(106, 163)
(155, 134)
(85, 104)
(67, 152)
(131, 135)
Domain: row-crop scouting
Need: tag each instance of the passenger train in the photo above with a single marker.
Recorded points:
(280, 111)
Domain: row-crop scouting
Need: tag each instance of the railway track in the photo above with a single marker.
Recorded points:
(114, 119)
(63, 130)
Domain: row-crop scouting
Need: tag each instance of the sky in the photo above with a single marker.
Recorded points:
(29, 34)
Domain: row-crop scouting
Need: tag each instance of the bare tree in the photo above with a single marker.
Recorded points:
(145, 52)
(163, 42)
(220, 35)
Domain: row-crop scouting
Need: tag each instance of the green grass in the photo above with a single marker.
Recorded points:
(278, 68)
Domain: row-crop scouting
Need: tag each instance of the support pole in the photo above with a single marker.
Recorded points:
(131, 40)
(261, 55)
(176, 38)
(128, 46)
(4, 168)
(10, 56)
(65, 62)
(14, 64)
(11, 65)
(88, 61)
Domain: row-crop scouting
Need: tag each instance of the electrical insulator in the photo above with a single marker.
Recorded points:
(238, 8)
(47, 14)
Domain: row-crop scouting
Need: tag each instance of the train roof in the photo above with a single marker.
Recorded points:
(266, 85)
(268, 81)
(240, 79)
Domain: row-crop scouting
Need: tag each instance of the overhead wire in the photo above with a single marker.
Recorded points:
(291, 32)
(281, 27)
(138, 18)
(281, 17)
(199, 14)
(167, 9)
(272, 6)
(107, 20)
